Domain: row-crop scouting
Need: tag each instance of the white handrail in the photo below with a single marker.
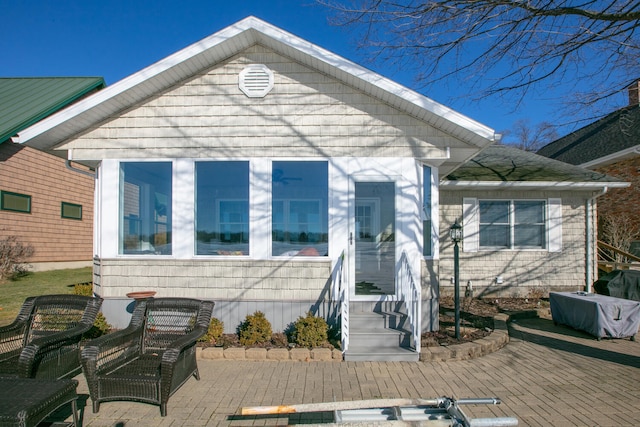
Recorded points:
(340, 296)
(410, 294)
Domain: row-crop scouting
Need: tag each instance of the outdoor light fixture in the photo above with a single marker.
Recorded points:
(455, 232)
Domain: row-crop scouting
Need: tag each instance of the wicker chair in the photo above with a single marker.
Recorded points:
(44, 339)
(150, 359)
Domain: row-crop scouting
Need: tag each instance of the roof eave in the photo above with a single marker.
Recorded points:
(612, 158)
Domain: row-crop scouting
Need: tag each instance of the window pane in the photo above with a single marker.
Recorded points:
(145, 208)
(530, 212)
(300, 209)
(494, 224)
(72, 211)
(494, 212)
(529, 236)
(15, 202)
(222, 208)
(426, 211)
(529, 227)
(494, 236)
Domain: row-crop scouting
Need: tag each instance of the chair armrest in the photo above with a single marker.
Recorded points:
(109, 350)
(12, 337)
(173, 351)
(45, 344)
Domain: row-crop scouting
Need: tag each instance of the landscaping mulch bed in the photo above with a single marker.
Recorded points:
(476, 318)
(476, 321)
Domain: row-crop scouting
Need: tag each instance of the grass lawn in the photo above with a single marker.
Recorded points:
(14, 292)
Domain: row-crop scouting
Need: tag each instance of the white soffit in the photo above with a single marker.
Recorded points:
(203, 54)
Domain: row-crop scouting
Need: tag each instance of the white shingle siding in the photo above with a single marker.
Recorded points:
(231, 279)
(208, 116)
(521, 270)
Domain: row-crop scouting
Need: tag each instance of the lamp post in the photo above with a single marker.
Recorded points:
(455, 232)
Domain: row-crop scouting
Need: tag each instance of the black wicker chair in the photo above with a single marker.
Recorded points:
(44, 339)
(150, 359)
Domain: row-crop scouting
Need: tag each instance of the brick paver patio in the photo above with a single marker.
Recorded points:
(546, 376)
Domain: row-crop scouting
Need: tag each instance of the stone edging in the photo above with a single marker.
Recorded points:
(498, 338)
(295, 354)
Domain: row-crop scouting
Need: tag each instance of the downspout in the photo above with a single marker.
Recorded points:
(83, 172)
(589, 221)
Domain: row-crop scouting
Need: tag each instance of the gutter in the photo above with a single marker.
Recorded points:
(80, 171)
(543, 185)
(589, 220)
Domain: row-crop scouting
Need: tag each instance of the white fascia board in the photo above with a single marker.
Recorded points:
(612, 158)
(218, 39)
(529, 185)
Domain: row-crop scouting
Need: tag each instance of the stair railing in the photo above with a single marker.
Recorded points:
(410, 294)
(340, 297)
(611, 258)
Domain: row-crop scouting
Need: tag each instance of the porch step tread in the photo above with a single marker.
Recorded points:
(377, 354)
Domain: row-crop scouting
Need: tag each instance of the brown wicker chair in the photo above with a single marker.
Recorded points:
(150, 359)
(44, 339)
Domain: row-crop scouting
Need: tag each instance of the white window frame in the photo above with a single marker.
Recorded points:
(471, 226)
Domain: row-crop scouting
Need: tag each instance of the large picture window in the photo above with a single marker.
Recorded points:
(222, 208)
(512, 224)
(300, 208)
(145, 208)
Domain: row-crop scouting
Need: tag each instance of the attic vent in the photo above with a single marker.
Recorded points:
(256, 81)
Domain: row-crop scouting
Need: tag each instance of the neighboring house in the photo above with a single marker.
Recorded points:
(611, 146)
(256, 169)
(43, 202)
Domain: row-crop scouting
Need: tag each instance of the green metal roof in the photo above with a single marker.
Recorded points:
(27, 100)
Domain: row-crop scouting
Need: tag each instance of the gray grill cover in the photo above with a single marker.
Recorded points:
(599, 315)
(620, 284)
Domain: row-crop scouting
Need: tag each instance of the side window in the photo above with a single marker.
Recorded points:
(70, 211)
(222, 208)
(512, 224)
(145, 208)
(300, 193)
(15, 202)
(427, 249)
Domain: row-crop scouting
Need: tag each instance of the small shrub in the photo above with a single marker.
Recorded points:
(100, 327)
(255, 329)
(310, 331)
(279, 340)
(214, 332)
(13, 257)
(85, 289)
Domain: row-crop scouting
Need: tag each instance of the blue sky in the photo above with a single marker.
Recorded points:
(116, 38)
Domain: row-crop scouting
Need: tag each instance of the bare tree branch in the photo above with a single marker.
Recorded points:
(506, 48)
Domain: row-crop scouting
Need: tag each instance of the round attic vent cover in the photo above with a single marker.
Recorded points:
(256, 81)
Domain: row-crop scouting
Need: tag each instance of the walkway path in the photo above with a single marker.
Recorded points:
(546, 376)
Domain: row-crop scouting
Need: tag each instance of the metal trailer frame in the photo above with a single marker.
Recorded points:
(439, 412)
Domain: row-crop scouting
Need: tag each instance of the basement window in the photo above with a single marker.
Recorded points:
(71, 211)
(15, 202)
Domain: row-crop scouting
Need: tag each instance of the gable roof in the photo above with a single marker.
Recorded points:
(606, 140)
(26, 100)
(232, 40)
(504, 166)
